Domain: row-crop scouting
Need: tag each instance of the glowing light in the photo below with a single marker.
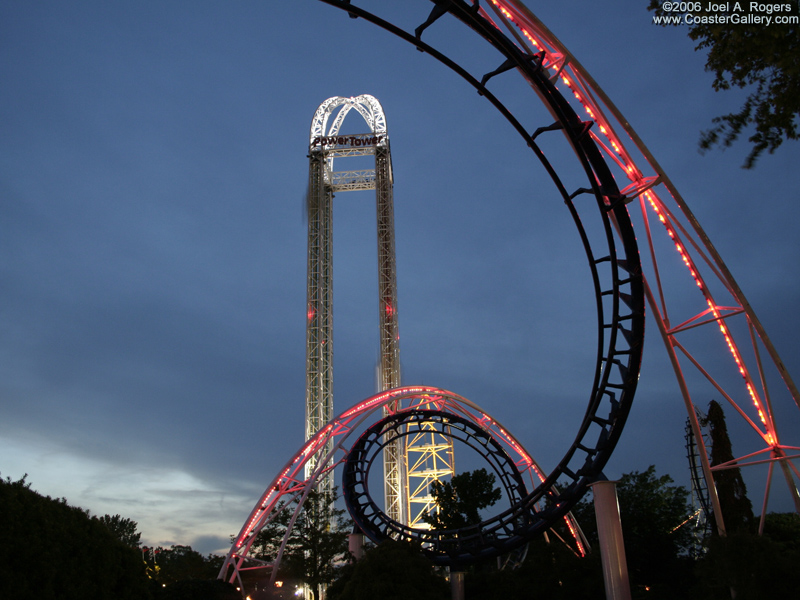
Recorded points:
(575, 536)
(291, 480)
(737, 358)
(591, 108)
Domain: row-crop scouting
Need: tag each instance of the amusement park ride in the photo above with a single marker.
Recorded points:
(399, 419)
(409, 467)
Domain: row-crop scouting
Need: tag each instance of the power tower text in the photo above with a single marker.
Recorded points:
(353, 141)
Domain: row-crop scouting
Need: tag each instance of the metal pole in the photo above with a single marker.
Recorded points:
(612, 546)
(456, 584)
(355, 544)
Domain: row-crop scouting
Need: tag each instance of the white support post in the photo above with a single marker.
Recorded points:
(456, 585)
(355, 544)
(612, 546)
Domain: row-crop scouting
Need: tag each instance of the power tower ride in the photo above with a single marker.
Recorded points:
(325, 145)
(545, 63)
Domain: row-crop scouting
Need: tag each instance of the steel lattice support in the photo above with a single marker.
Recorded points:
(393, 464)
(722, 316)
(411, 464)
(284, 496)
(319, 329)
(429, 457)
(387, 271)
(325, 145)
(722, 313)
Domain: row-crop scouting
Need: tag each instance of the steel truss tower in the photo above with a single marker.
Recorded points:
(325, 145)
(721, 313)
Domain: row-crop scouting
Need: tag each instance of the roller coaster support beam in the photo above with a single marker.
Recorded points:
(612, 546)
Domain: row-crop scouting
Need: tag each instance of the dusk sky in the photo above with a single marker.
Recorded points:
(153, 168)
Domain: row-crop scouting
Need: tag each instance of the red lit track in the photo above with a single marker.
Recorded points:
(722, 319)
(605, 146)
(288, 490)
(722, 308)
(600, 216)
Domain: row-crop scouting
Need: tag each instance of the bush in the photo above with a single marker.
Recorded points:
(49, 549)
(391, 571)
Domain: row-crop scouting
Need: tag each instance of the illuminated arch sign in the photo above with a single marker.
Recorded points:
(347, 141)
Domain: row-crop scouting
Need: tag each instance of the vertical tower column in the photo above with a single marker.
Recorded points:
(319, 327)
(393, 455)
(387, 272)
(433, 455)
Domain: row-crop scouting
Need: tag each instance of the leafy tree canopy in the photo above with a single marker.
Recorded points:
(391, 571)
(652, 510)
(737, 510)
(179, 563)
(316, 543)
(765, 60)
(784, 528)
(49, 549)
(550, 570)
(755, 567)
(125, 530)
(460, 500)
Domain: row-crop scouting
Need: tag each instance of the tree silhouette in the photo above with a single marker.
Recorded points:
(460, 500)
(765, 59)
(390, 571)
(316, 543)
(737, 511)
(652, 511)
(123, 529)
(49, 549)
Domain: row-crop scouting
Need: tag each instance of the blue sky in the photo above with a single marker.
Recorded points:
(152, 243)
